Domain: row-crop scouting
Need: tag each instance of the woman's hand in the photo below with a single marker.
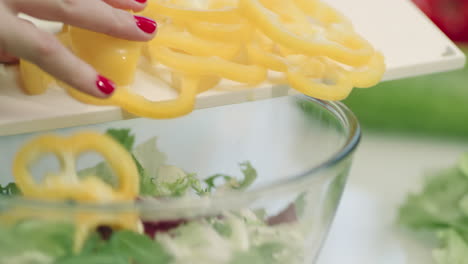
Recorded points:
(21, 39)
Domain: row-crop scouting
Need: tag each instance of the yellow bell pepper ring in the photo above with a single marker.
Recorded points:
(34, 80)
(259, 55)
(66, 184)
(370, 74)
(115, 58)
(200, 66)
(288, 13)
(140, 106)
(226, 14)
(226, 33)
(324, 13)
(313, 45)
(205, 82)
(184, 41)
(333, 86)
(311, 67)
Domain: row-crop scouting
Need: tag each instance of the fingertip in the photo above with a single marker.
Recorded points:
(147, 25)
(105, 87)
(7, 59)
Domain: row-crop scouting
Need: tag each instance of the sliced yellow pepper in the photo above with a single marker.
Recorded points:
(313, 45)
(265, 52)
(34, 80)
(140, 106)
(182, 40)
(66, 185)
(202, 42)
(188, 11)
(269, 60)
(323, 13)
(370, 74)
(114, 58)
(311, 67)
(206, 82)
(240, 32)
(202, 66)
(287, 12)
(333, 85)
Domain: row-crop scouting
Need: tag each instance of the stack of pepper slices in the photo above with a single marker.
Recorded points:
(311, 46)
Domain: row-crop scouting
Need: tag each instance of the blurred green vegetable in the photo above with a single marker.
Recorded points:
(10, 189)
(441, 208)
(435, 105)
(453, 251)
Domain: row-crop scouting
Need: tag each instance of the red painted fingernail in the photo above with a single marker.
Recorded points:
(146, 24)
(105, 85)
(141, 1)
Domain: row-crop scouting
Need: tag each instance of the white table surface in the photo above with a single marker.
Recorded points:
(385, 170)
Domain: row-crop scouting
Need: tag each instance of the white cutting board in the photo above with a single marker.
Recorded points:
(411, 43)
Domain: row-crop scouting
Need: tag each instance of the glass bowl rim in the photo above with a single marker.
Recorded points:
(216, 202)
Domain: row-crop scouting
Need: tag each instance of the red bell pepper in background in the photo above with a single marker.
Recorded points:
(451, 16)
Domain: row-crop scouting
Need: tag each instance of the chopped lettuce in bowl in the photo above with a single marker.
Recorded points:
(228, 237)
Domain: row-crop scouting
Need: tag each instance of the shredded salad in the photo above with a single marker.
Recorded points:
(33, 235)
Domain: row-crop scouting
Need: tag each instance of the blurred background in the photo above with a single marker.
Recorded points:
(432, 105)
(411, 127)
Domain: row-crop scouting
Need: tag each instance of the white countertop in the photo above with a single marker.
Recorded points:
(385, 169)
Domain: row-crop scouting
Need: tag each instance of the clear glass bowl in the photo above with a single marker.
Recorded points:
(301, 149)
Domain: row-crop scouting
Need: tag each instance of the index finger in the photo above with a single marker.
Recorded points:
(24, 40)
(94, 15)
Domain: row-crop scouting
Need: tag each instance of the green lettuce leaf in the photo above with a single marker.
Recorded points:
(124, 247)
(157, 178)
(239, 237)
(263, 254)
(138, 248)
(442, 208)
(146, 156)
(149, 157)
(34, 241)
(249, 172)
(123, 136)
(102, 169)
(10, 189)
(438, 205)
(454, 249)
(98, 258)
